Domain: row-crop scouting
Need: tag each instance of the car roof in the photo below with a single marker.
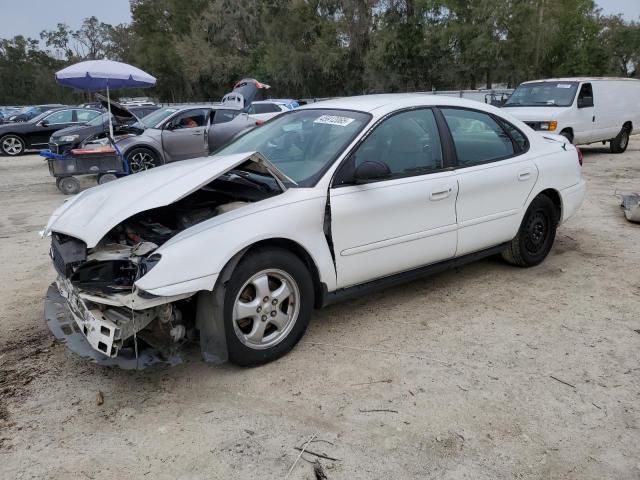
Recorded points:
(582, 79)
(383, 103)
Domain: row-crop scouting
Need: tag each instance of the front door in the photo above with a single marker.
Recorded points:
(185, 135)
(495, 177)
(585, 115)
(403, 220)
(50, 124)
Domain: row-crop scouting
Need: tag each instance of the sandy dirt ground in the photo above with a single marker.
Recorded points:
(467, 369)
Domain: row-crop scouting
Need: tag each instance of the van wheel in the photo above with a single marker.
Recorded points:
(568, 135)
(267, 306)
(621, 142)
(536, 235)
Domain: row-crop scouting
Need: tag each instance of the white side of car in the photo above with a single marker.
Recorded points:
(473, 181)
(585, 110)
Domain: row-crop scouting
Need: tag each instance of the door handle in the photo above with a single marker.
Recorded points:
(440, 194)
(198, 133)
(524, 175)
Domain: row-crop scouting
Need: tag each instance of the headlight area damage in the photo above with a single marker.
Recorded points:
(95, 306)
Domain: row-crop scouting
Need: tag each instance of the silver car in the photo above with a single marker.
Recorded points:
(178, 133)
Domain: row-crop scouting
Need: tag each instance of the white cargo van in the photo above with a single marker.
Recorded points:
(585, 110)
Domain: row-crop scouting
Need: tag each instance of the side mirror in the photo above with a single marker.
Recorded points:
(44, 122)
(585, 102)
(370, 171)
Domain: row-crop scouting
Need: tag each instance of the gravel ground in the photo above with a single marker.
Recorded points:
(484, 372)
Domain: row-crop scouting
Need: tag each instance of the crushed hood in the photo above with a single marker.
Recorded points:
(90, 215)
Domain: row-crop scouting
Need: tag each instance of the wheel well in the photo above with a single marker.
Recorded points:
(299, 251)
(568, 129)
(555, 198)
(147, 147)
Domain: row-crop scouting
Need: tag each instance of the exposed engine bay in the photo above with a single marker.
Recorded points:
(98, 283)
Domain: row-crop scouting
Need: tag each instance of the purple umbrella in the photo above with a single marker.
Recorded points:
(95, 75)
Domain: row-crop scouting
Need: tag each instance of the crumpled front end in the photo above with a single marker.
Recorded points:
(126, 274)
(94, 296)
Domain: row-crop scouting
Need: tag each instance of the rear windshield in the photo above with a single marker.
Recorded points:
(543, 94)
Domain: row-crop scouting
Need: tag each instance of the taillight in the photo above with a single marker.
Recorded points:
(580, 157)
(260, 122)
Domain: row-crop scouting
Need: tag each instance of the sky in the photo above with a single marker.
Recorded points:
(30, 17)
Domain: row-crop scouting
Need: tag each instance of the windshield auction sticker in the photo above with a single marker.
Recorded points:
(563, 85)
(334, 120)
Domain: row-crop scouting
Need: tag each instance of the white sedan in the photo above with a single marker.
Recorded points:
(326, 201)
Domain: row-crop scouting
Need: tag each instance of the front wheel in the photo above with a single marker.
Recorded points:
(536, 235)
(267, 306)
(12, 145)
(141, 159)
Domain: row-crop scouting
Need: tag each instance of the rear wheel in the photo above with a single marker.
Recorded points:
(12, 145)
(621, 142)
(68, 185)
(141, 159)
(267, 306)
(106, 177)
(536, 235)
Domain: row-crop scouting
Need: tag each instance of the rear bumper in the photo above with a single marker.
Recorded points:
(572, 198)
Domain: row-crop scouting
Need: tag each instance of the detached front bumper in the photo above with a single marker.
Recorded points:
(93, 335)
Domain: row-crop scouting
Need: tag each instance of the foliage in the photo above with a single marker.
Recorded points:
(198, 48)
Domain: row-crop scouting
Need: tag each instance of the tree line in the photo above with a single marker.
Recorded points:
(197, 49)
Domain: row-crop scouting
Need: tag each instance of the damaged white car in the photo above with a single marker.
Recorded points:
(333, 199)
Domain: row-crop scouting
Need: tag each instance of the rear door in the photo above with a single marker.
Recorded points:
(495, 177)
(404, 220)
(225, 125)
(184, 135)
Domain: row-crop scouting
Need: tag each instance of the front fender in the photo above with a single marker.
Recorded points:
(192, 260)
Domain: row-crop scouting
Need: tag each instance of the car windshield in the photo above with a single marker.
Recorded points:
(153, 119)
(303, 143)
(543, 94)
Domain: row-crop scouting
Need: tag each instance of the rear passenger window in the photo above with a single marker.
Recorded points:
(477, 137)
(521, 140)
(408, 142)
(224, 116)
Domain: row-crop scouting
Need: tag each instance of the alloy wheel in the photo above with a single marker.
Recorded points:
(12, 146)
(266, 309)
(141, 161)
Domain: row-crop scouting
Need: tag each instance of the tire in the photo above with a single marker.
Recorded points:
(69, 185)
(106, 178)
(141, 159)
(12, 145)
(568, 135)
(621, 142)
(255, 339)
(536, 234)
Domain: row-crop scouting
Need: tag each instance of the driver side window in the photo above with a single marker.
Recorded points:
(63, 116)
(189, 119)
(408, 143)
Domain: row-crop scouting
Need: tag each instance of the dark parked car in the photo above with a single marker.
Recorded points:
(28, 113)
(71, 137)
(15, 138)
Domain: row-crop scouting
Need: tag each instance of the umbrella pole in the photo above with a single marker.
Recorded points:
(109, 107)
